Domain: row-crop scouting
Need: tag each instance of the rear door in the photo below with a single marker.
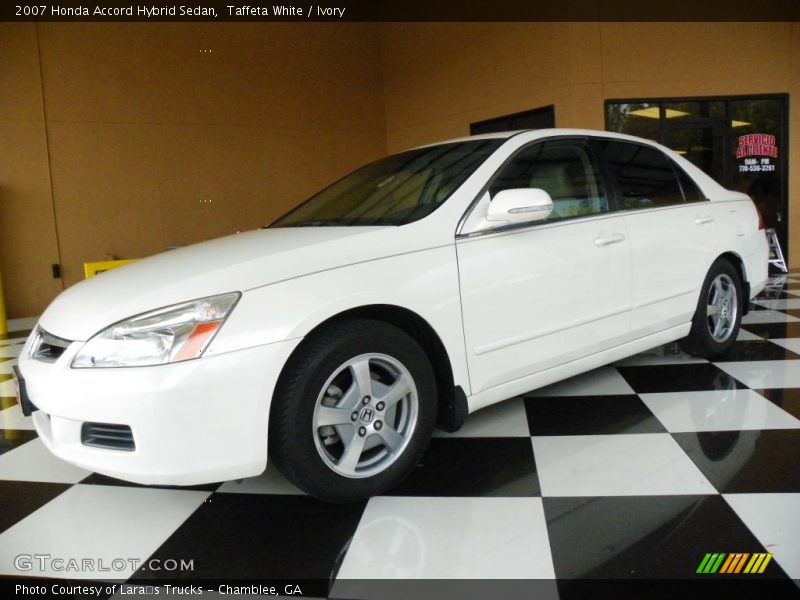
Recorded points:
(673, 231)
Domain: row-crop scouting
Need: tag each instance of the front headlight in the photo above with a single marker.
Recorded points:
(170, 334)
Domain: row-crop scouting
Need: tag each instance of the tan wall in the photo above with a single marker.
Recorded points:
(27, 229)
(154, 143)
(148, 142)
(440, 77)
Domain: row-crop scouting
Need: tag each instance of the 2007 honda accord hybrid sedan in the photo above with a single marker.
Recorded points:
(412, 292)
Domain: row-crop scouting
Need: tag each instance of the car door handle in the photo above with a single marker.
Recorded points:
(703, 219)
(605, 240)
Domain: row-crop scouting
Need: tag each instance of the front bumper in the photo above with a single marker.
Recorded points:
(193, 422)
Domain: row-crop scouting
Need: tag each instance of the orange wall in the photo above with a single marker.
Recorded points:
(128, 138)
(154, 143)
(440, 77)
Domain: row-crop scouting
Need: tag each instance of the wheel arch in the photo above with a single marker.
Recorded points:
(452, 406)
(738, 263)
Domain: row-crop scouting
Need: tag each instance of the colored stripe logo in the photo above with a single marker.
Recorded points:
(734, 562)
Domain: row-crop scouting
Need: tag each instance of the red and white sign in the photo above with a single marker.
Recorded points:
(757, 144)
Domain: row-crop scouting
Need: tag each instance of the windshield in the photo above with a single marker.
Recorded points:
(395, 190)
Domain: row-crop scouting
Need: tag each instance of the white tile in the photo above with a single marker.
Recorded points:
(19, 340)
(793, 292)
(450, 538)
(616, 465)
(504, 419)
(763, 374)
(99, 522)
(767, 316)
(11, 350)
(8, 389)
(718, 410)
(269, 482)
(605, 381)
(747, 336)
(7, 366)
(792, 344)
(780, 304)
(12, 417)
(34, 462)
(22, 323)
(775, 520)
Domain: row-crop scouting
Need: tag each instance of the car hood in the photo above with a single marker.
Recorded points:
(234, 263)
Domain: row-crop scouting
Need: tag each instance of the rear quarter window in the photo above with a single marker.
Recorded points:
(691, 192)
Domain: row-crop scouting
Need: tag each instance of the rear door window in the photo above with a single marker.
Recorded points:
(645, 176)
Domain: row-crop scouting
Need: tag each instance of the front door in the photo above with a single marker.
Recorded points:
(552, 291)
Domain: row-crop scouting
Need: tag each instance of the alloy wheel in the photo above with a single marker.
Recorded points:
(365, 415)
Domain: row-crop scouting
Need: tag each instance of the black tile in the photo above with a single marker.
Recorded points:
(757, 350)
(13, 438)
(776, 294)
(21, 498)
(792, 311)
(261, 536)
(590, 415)
(746, 461)
(10, 335)
(774, 331)
(98, 479)
(474, 467)
(5, 377)
(786, 398)
(691, 377)
(754, 306)
(649, 537)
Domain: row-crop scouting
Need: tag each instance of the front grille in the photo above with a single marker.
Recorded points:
(107, 435)
(47, 347)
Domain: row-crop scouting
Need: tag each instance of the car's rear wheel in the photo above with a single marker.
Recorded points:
(719, 312)
(353, 411)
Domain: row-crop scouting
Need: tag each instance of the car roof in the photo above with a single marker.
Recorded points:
(553, 131)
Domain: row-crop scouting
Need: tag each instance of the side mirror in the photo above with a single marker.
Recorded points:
(519, 206)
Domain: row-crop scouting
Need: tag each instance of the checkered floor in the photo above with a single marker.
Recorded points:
(634, 470)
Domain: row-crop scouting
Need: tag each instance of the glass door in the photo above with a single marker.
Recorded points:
(740, 141)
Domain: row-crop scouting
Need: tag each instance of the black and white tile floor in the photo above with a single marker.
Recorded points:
(634, 470)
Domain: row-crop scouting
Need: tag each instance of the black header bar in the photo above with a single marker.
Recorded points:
(400, 10)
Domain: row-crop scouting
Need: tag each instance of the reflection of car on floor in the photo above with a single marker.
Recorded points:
(420, 288)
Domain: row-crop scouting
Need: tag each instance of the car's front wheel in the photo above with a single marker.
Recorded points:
(353, 411)
(719, 312)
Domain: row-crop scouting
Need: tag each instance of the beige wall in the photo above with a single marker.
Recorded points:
(154, 143)
(127, 138)
(27, 229)
(440, 77)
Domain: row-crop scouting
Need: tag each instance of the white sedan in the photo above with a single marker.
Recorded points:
(416, 290)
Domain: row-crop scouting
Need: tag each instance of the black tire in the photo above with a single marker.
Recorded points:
(701, 340)
(295, 445)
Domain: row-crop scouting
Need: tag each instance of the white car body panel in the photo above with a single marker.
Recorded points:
(528, 305)
(514, 310)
